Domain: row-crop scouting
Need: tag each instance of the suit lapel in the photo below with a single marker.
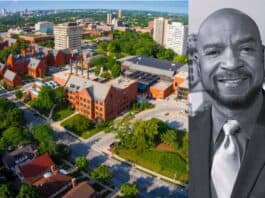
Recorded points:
(200, 138)
(253, 161)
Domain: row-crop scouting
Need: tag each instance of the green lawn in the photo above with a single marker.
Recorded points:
(169, 164)
(62, 112)
(84, 127)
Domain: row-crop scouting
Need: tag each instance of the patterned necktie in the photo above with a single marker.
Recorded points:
(226, 161)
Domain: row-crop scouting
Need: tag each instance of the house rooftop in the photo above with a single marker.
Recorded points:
(81, 190)
(162, 85)
(36, 167)
(33, 63)
(9, 75)
(51, 184)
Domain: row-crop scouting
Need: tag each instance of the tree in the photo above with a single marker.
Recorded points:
(19, 94)
(81, 163)
(116, 70)
(62, 151)
(13, 136)
(10, 115)
(45, 137)
(180, 59)
(129, 190)
(5, 191)
(28, 191)
(169, 137)
(101, 173)
(59, 96)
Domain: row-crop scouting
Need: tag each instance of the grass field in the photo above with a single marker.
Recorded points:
(62, 112)
(169, 164)
(84, 127)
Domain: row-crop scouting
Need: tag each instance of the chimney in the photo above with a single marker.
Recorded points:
(35, 153)
(82, 69)
(23, 52)
(76, 69)
(54, 170)
(87, 73)
(71, 66)
(33, 51)
(74, 182)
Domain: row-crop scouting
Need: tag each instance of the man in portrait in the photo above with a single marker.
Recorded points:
(227, 140)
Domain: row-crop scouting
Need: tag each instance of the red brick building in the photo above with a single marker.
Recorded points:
(36, 68)
(96, 100)
(12, 79)
(55, 57)
(17, 63)
(3, 68)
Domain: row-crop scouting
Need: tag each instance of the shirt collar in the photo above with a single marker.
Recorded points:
(246, 122)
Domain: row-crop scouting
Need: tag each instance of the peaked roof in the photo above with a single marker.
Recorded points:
(53, 184)
(34, 169)
(97, 90)
(9, 75)
(33, 63)
(81, 190)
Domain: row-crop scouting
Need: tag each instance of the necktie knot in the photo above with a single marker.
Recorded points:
(231, 127)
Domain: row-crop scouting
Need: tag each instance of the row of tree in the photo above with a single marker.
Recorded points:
(47, 98)
(148, 134)
(109, 66)
(135, 43)
(14, 49)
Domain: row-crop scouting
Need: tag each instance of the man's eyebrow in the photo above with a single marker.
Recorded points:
(212, 45)
(246, 40)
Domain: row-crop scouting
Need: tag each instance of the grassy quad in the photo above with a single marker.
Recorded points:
(84, 127)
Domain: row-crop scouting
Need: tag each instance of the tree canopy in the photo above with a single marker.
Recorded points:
(44, 135)
(10, 115)
(129, 190)
(81, 163)
(101, 173)
(29, 191)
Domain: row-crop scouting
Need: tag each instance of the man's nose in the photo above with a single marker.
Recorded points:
(231, 61)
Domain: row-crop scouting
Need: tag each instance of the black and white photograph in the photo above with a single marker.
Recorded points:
(227, 107)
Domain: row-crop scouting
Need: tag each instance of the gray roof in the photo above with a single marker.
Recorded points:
(89, 59)
(33, 63)
(10, 75)
(10, 159)
(97, 90)
(2, 66)
(151, 65)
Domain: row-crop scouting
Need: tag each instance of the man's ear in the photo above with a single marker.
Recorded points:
(196, 63)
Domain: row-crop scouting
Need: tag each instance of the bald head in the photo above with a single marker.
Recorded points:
(228, 19)
(230, 57)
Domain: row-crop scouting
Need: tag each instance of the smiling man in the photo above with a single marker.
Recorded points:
(227, 141)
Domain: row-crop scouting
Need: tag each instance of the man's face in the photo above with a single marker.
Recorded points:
(231, 60)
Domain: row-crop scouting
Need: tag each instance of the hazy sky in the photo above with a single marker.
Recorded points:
(200, 9)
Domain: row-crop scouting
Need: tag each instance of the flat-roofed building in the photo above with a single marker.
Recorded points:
(67, 36)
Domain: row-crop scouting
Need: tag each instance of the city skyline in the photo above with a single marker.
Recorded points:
(180, 7)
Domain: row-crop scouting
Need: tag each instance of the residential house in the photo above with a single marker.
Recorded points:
(12, 79)
(36, 68)
(13, 159)
(82, 190)
(35, 169)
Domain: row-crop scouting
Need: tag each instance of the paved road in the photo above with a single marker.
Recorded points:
(92, 149)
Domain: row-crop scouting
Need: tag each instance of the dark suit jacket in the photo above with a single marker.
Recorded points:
(250, 182)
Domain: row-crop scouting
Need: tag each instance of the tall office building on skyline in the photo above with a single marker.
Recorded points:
(109, 18)
(175, 37)
(67, 35)
(159, 26)
(119, 14)
(170, 34)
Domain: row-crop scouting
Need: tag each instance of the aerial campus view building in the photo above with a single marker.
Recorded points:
(104, 93)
